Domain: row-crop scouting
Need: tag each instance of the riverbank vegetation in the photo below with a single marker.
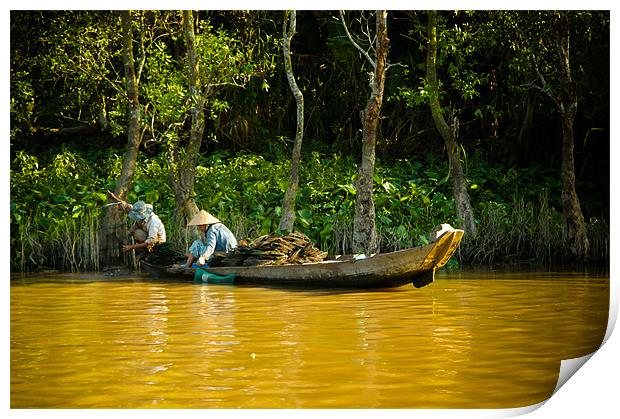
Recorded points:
(70, 129)
(55, 216)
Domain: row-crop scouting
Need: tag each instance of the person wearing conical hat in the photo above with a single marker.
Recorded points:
(147, 230)
(215, 237)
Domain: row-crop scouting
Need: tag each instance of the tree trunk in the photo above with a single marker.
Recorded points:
(459, 186)
(183, 175)
(133, 129)
(575, 231)
(364, 238)
(287, 220)
(114, 223)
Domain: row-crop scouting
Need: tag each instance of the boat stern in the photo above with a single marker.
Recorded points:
(424, 279)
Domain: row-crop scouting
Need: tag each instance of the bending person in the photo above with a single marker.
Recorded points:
(215, 237)
(148, 230)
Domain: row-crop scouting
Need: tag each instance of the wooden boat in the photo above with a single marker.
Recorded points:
(385, 270)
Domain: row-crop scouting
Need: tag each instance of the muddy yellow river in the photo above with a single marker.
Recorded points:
(475, 339)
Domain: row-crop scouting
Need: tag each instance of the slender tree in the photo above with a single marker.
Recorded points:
(113, 226)
(459, 186)
(575, 231)
(287, 220)
(132, 81)
(364, 238)
(214, 61)
(183, 169)
(548, 47)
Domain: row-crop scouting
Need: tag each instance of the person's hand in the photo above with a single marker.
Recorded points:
(128, 247)
(201, 261)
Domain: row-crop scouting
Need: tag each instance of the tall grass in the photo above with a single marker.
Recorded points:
(67, 244)
(516, 232)
(598, 235)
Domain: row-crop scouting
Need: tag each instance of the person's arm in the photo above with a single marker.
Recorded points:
(123, 205)
(129, 247)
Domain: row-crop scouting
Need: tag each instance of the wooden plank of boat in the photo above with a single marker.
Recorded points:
(416, 265)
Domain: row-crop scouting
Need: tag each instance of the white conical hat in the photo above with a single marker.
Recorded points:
(203, 218)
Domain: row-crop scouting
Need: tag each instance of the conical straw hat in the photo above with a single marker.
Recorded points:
(203, 218)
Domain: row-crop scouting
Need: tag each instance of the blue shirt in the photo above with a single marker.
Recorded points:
(218, 238)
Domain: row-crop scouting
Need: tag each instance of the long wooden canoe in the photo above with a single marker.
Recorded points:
(384, 270)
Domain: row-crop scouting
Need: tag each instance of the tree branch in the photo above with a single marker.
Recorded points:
(364, 53)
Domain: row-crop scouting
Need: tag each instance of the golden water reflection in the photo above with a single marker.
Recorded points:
(469, 340)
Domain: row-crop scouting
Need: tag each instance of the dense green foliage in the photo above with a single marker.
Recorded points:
(56, 203)
(68, 122)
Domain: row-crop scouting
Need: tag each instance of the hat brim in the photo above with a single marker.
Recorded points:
(134, 216)
(203, 218)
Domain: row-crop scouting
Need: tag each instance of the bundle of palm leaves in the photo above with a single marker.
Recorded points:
(293, 248)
